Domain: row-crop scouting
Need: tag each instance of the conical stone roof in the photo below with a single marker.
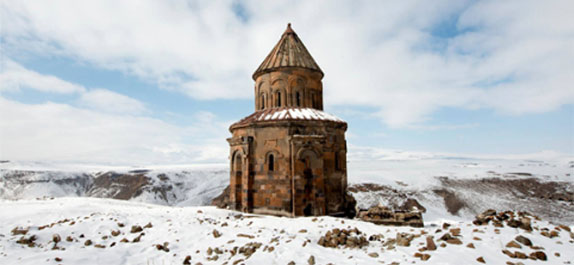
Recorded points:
(289, 52)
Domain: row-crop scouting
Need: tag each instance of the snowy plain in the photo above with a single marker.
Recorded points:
(190, 231)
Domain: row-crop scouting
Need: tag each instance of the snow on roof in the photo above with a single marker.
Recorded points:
(290, 113)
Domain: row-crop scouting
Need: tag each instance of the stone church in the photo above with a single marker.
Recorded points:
(288, 158)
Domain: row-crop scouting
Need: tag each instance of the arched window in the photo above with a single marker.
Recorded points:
(237, 164)
(337, 162)
(278, 98)
(271, 162)
(313, 103)
(262, 106)
(298, 99)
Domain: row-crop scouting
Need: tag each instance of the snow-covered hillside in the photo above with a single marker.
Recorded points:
(105, 231)
(453, 186)
(189, 185)
(462, 186)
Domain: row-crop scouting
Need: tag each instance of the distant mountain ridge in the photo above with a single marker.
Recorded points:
(445, 187)
(159, 187)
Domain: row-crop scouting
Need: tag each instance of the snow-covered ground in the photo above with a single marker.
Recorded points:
(48, 198)
(192, 231)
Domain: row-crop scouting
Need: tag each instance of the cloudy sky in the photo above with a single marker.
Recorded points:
(160, 81)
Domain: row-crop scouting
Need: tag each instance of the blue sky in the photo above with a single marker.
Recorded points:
(163, 83)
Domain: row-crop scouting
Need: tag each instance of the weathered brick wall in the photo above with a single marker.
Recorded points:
(304, 165)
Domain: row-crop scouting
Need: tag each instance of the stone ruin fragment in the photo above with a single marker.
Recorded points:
(382, 215)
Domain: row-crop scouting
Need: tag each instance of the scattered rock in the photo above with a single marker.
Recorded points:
(484, 217)
(513, 244)
(373, 255)
(163, 246)
(88, 243)
(404, 239)
(246, 235)
(470, 245)
(58, 259)
(99, 246)
(216, 233)
(450, 239)
(523, 221)
(430, 244)
(539, 255)
(187, 260)
(218, 251)
(311, 260)
(29, 241)
(149, 225)
(520, 255)
(563, 227)
(446, 237)
(351, 238)
(455, 231)
(19, 231)
(508, 253)
(524, 240)
(454, 241)
(377, 237)
(138, 238)
(115, 232)
(248, 249)
(422, 256)
(136, 229)
(480, 259)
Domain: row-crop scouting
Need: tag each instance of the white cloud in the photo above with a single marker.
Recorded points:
(109, 101)
(60, 132)
(14, 77)
(510, 56)
(105, 127)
